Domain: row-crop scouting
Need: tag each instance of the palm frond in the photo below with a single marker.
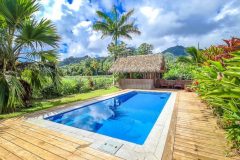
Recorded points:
(101, 26)
(44, 56)
(117, 27)
(125, 17)
(130, 28)
(38, 34)
(184, 59)
(104, 16)
(11, 91)
(16, 11)
(115, 13)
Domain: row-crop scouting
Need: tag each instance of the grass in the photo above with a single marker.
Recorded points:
(45, 104)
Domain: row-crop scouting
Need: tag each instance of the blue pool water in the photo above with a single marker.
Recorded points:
(128, 117)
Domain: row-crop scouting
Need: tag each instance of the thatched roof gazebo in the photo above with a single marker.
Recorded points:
(150, 66)
(152, 63)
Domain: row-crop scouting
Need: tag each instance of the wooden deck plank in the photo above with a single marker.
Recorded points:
(17, 150)
(6, 155)
(53, 145)
(71, 147)
(47, 131)
(52, 141)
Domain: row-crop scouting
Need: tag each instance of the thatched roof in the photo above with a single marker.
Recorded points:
(139, 64)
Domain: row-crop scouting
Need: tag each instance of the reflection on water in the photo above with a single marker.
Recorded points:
(92, 116)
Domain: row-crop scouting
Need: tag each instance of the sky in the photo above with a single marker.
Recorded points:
(163, 23)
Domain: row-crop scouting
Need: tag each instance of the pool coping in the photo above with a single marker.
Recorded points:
(154, 144)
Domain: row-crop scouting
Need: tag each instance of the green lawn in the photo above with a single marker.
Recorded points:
(45, 104)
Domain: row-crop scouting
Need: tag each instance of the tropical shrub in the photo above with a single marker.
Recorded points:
(218, 84)
(75, 84)
(177, 69)
(50, 92)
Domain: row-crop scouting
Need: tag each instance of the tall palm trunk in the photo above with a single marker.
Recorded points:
(4, 66)
(115, 54)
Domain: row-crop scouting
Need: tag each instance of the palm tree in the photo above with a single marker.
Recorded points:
(195, 56)
(116, 25)
(27, 52)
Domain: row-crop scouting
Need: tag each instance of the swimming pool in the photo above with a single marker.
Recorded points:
(129, 117)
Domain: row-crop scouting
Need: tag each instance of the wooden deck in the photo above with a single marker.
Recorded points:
(21, 140)
(194, 136)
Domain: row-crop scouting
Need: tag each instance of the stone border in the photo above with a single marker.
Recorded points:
(152, 149)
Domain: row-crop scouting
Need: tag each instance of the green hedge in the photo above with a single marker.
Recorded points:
(76, 84)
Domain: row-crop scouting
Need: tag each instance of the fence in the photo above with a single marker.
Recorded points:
(136, 83)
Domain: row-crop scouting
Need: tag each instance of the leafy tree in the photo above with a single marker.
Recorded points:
(119, 50)
(95, 66)
(116, 25)
(145, 48)
(25, 45)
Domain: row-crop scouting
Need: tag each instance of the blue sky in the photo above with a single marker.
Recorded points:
(163, 23)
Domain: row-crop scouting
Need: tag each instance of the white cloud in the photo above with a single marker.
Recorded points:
(162, 23)
(150, 13)
(52, 9)
(81, 25)
(228, 10)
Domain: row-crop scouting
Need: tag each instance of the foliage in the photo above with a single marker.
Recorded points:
(120, 50)
(145, 48)
(25, 45)
(217, 81)
(177, 70)
(50, 92)
(212, 53)
(116, 25)
(221, 52)
(76, 84)
(231, 45)
(72, 60)
(88, 67)
(45, 104)
(195, 56)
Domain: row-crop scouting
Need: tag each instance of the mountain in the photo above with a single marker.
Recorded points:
(176, 50)
(71, 60)
(74, 60)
